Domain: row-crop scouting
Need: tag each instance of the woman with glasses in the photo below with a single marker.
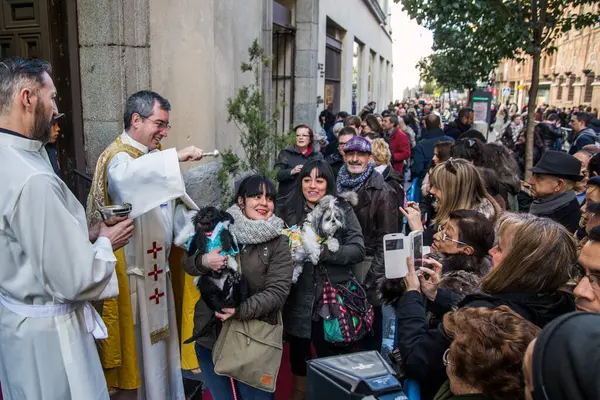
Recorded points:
(371, 128)
(485, 358)
(291, 159)
(456, 185)
(529, 273)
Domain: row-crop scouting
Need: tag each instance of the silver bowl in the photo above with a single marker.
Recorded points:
(121, 210)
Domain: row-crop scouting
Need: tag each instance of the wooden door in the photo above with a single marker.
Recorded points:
(47, 30)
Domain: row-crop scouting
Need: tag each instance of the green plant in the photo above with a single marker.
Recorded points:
(257, 124)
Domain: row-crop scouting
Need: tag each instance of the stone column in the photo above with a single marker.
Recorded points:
(114, 62)
(346, 84)
(307, 46)
(365, 58)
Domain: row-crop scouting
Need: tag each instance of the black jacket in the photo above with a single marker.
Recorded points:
(377, 212)
(456, 128)
(305, 294)
(549, 134)
(422, 348)
(395, 180)
(423, 152)
(287, 160)
(335, 161)
(567, 215)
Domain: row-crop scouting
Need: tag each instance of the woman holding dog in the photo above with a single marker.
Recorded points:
(301, 320)
(266, 264)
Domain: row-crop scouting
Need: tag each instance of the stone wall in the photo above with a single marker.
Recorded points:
(188, 52)
(196, 55)
(114, 63)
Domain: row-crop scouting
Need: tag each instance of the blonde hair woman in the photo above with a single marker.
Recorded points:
(382, 156)
(456, 185)
(409, 132)
(530, 265)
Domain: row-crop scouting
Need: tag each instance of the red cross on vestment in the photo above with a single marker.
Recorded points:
(156, 296)
(154, 250)
(155, 272)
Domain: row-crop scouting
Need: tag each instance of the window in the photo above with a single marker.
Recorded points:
(589, 89)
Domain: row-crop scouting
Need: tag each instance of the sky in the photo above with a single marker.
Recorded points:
(411, 42)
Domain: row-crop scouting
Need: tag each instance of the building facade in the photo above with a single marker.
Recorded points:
(569, 77)
(335, 52)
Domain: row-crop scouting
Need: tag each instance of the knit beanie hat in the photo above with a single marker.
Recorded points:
(566, 359)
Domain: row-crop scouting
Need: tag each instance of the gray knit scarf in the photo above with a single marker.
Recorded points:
(249, 231)
(347, 183)
(550, 205)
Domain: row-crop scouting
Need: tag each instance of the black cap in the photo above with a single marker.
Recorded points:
(566, 358)
(558, 163)
(594, 181)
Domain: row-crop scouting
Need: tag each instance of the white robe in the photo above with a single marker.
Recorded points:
(150, 181)
(46, 258)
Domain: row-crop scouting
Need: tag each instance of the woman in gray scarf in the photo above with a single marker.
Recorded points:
(266, 264)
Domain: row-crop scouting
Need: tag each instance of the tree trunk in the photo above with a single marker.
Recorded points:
(538, 27)
(531, 106)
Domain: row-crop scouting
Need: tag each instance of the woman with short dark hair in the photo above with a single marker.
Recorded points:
(291, 159)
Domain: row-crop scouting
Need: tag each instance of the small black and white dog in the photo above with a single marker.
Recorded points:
(219, 289)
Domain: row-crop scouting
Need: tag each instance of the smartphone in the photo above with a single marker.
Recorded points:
(396, 247)
(417, 248)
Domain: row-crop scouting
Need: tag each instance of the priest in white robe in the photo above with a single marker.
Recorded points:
(49, 269)
(133, 170)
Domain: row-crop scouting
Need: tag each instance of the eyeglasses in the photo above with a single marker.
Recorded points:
(159, 124)
(445, 358)
(444, 236)
(577, 273)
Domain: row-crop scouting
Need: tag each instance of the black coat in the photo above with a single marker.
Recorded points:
(568, 215)
(287, 160)
(422, 349)
(455, 129)
(395, 180)
(304, 295)
(378, 214)
(335, 161)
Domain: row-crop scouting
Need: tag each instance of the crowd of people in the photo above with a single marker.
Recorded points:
(505, 306)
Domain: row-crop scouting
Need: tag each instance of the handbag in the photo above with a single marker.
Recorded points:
(250, 351)
(346, 312)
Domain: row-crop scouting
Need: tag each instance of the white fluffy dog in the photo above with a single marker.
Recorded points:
(320, 227)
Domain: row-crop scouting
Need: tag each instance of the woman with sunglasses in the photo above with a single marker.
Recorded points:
(456, 185)
(529, 272)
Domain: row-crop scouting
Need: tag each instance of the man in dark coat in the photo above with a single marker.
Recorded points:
(584, 135)
(461, 124)
(552, 183)
(378, 214)
(549, 130)
(423, 152)
(336, 161)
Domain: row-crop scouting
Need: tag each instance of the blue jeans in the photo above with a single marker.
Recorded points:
(220, 386)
